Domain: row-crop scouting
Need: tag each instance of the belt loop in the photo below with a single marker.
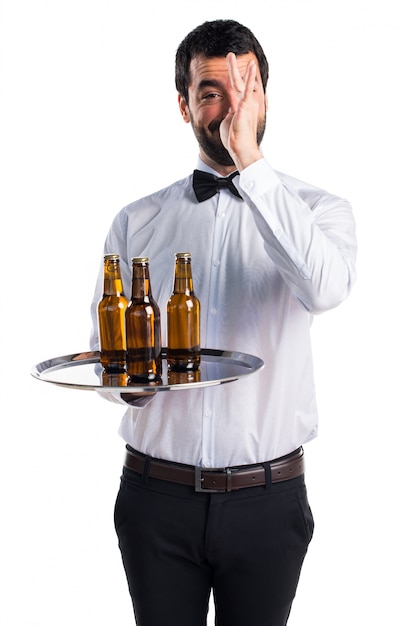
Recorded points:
(144, 477)
(267, 472)
(228, 479)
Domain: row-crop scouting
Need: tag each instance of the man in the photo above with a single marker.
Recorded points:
(264, 262)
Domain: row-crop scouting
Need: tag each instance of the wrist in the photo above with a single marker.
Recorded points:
(244, 161)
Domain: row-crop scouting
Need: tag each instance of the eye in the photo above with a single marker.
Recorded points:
(210, 96)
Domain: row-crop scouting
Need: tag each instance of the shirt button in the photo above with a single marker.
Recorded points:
(213, 311)
(221, 215)
(249, 185)
(208, 412)
(216, 262)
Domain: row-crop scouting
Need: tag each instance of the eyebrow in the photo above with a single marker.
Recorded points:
(212, 82)
(209, 83)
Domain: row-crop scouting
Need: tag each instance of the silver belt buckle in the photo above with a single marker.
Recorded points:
(198, 487)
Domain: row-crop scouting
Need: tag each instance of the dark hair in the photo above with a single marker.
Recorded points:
(216, 39)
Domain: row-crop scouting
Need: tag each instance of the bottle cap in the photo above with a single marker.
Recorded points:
(183, 255)
(111, 257)
(140, 259)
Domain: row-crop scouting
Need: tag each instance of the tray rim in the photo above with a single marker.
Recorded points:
(249, 363)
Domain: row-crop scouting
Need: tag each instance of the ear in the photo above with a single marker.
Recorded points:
(184, 109)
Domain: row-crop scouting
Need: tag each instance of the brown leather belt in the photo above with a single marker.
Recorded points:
(218, 480)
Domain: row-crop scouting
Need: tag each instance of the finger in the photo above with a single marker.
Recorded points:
(234, 73)
(249, 79)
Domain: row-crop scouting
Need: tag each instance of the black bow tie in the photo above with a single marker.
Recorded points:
(205, 185)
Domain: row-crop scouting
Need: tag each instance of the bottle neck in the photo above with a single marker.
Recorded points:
(141, 285)
(183, 281)
(112, 284)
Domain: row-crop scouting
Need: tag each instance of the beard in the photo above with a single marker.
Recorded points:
(210, 140)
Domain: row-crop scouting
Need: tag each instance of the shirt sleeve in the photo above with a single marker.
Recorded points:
(309, 233)
(115, 244)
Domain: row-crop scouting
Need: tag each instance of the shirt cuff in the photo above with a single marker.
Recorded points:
(258, 178)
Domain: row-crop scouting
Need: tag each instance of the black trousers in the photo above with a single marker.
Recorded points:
(247, 546)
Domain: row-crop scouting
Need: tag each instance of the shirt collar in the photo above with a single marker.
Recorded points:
(201, 165)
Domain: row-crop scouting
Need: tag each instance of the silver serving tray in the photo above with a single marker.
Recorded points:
(83, 371)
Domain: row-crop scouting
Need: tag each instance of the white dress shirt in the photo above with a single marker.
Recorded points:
(262, 267)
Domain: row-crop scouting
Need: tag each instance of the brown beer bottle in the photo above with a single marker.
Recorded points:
(111, 314)
(143, 327)
(183, 319)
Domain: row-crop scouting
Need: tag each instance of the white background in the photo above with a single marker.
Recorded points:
(89, 123)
